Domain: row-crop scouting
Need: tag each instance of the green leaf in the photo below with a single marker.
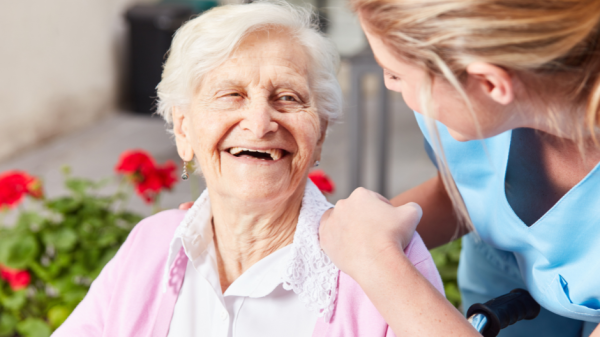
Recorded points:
(8, 323)
(108, 255)
(34, 327)
(74, 296)
(30, 221)
(446, 259)
(439, 258)
(453, 294)
(39, 271)
(448, 273)
(16, 301)
(18, 251)
(108, 237)
(57, 315)
(64, 205)
(64, 239)
(91, 257)
(78, 186)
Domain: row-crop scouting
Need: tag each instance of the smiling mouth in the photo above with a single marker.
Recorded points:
(271, 154)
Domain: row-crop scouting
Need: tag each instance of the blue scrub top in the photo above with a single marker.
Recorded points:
(559, 255)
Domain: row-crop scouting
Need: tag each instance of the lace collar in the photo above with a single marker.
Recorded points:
(308, 272)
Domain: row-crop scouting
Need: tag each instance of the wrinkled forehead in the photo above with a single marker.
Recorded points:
(273, 44)
(271, 57)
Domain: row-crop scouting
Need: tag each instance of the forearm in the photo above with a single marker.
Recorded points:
(596, 332)
(408, 302)
(439, 224)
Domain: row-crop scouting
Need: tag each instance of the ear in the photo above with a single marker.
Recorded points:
(182, 136)
(494, 81)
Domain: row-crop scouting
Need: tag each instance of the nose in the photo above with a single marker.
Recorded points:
(258, 120)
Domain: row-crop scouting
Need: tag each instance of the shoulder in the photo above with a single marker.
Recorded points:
(416, 251)
(419, 256)
(154, 233)
(355, 311)
(160, 225)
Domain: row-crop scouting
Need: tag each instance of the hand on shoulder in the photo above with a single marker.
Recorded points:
(365, 226)
(186, 205)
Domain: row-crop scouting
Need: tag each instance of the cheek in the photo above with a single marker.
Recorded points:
(306, 131)
(392, 85)
(209, 128)
(455, 115)
(411, 98)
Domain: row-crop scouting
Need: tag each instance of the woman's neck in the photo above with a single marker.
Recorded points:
(246, 233)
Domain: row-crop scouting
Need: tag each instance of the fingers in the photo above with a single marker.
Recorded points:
(186, 205)
(324, 219)
(409, 216)
(363, 192)
(411, 211)
(326, 215)
(323, 227)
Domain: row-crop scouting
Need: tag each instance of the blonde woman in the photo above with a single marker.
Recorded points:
(508, 95)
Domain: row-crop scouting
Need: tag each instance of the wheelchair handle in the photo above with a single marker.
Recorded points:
(500, 312)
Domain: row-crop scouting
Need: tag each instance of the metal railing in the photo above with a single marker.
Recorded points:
(361, 65)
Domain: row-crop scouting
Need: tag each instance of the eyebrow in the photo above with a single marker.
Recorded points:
(227, 82)
(287, 83)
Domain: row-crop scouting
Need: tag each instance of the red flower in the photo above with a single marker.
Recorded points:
(134, 161)
(17, 279)
(323, 182)
(15, 184)
(34, 189)
(149, 179)
(166, 173)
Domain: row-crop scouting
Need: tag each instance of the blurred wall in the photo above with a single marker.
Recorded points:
(60, 62)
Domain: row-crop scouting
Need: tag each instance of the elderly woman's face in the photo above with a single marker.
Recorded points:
(253, 124)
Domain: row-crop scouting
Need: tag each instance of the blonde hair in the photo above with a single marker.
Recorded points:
(205, 42)
(538, 39)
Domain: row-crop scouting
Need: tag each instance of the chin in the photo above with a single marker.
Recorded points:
(257, 190)
(459, 136)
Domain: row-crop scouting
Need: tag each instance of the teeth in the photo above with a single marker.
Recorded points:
(235, 150)
(275, 153)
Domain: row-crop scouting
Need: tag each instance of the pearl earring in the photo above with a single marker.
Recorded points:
(184, 175)
(317, 163)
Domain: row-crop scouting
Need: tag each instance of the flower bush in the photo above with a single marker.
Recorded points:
(58, 246)
(446, 260)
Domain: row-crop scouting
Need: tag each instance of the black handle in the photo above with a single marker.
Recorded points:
(506, 310)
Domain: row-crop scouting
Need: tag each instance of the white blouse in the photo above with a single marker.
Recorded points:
(260, 302)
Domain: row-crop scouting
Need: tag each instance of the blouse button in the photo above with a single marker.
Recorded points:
(223, 315)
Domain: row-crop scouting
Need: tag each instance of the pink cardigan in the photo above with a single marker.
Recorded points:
(127, 299)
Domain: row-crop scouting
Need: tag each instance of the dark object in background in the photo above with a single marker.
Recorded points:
(150, 35)
(498, 313)
(198, 6)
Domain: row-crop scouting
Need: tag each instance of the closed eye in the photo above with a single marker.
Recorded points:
(288, 98)
(391, 76)
(231, 96)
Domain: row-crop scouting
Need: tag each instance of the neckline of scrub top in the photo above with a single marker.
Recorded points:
(508, 207)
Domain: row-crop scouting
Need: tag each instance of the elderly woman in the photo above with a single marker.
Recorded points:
(249, 91)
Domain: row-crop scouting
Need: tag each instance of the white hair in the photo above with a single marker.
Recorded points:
(205, 42)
